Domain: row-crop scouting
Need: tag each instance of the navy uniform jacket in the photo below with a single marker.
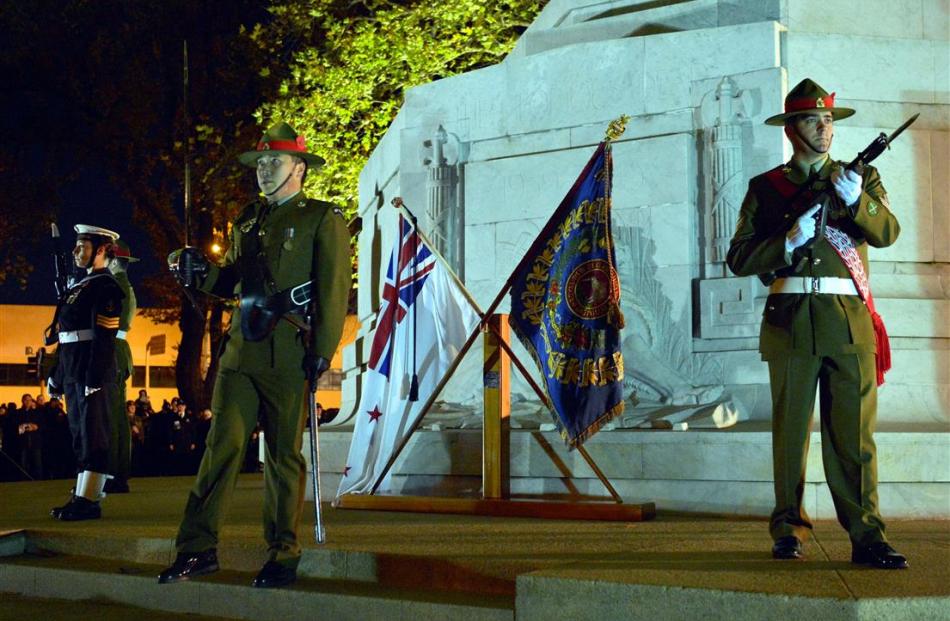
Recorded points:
(92, 307)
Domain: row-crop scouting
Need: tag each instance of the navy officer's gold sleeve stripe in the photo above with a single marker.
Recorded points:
(107, 322)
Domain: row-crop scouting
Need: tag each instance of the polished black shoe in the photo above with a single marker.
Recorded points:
(788, 548)
(117, 486)
(55, 511)
(77, 510)
(878, 555)
(190, 565)
(274, 575)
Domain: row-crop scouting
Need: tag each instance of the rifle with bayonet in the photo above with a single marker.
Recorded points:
(823, 198)
(61, 280)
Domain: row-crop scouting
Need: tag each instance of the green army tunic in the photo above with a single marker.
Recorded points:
(121, 441)
(301, 239)
(823, 340)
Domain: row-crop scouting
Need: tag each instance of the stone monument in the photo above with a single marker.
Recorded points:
(485, 157)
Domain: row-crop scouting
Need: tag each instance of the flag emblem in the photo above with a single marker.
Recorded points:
(409, 267)
(591, 288)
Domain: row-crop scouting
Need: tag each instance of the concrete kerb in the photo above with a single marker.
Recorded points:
(224, 599)
(542, 597)
(12, 542)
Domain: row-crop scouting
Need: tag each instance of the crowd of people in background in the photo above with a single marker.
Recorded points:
(35, 441)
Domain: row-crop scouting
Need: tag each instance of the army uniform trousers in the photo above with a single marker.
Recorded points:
(90, 425)
(847, 387)
(238, 398)
(120, 447)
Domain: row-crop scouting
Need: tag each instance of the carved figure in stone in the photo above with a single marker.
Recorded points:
(660, 368)
(820, 329)
(443, 197)
(724, 154)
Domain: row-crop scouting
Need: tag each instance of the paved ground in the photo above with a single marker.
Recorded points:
(677, 550)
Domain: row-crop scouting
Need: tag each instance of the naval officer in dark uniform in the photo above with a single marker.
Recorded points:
(87, 319)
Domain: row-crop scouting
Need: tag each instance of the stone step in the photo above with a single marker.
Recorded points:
(717, 471)
(390, 571)
(228, 593)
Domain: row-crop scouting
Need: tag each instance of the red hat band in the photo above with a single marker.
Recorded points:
(299, 145)
(810, 103)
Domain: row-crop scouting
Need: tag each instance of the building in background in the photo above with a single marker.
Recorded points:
(21, 337)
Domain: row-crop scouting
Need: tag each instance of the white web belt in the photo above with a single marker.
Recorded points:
(75, 336)
(805, 284)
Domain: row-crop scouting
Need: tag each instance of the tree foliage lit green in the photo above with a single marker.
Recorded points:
(347, 64)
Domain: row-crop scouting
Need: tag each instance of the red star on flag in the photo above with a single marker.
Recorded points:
(374, 414)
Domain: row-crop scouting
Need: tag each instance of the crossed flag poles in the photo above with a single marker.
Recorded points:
(483, 326)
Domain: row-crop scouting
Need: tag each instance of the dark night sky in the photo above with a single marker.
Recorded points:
(45, 44)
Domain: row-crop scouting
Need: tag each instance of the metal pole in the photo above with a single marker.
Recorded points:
(187, 148)
(318, 531)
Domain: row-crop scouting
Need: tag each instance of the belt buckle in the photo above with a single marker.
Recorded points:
(814, 284)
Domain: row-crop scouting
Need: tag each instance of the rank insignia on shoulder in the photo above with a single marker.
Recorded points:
(872, 208)
(247, 226)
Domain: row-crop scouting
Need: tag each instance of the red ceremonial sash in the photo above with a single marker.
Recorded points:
(848, 253)
(844, 246)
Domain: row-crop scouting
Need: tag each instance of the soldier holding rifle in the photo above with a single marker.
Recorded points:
(804, 229)
(288, 259)
(85, 326)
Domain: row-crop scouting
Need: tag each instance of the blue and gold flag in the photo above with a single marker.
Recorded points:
(565, 306)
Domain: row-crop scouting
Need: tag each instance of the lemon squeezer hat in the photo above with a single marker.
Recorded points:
(281, 139)
(122, 251)
(809, 98)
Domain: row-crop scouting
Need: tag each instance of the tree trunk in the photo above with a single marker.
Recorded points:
(188, 364)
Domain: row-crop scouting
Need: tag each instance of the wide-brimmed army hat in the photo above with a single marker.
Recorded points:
(96, 234)
(121, 250)
(282, 139)
(807, 98)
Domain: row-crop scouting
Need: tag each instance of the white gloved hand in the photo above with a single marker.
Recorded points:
(847, 185)
(53, 389)
(803, 230)
(89, 390)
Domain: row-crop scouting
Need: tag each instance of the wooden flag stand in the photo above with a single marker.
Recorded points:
(496, 497)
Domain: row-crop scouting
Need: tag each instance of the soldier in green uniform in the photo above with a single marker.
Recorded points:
(289, 258)
(120, 447)
(817, 329)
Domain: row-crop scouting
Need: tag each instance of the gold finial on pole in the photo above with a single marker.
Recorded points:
(617, 127)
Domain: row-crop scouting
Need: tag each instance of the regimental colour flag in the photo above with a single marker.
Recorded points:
(565, 299)
(422, 323)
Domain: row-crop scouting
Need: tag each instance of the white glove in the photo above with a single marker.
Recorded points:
(847, 185)
(803, 230)
(53, 389)
(89, 390)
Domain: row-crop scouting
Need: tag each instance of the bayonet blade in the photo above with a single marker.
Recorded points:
(897, 132)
